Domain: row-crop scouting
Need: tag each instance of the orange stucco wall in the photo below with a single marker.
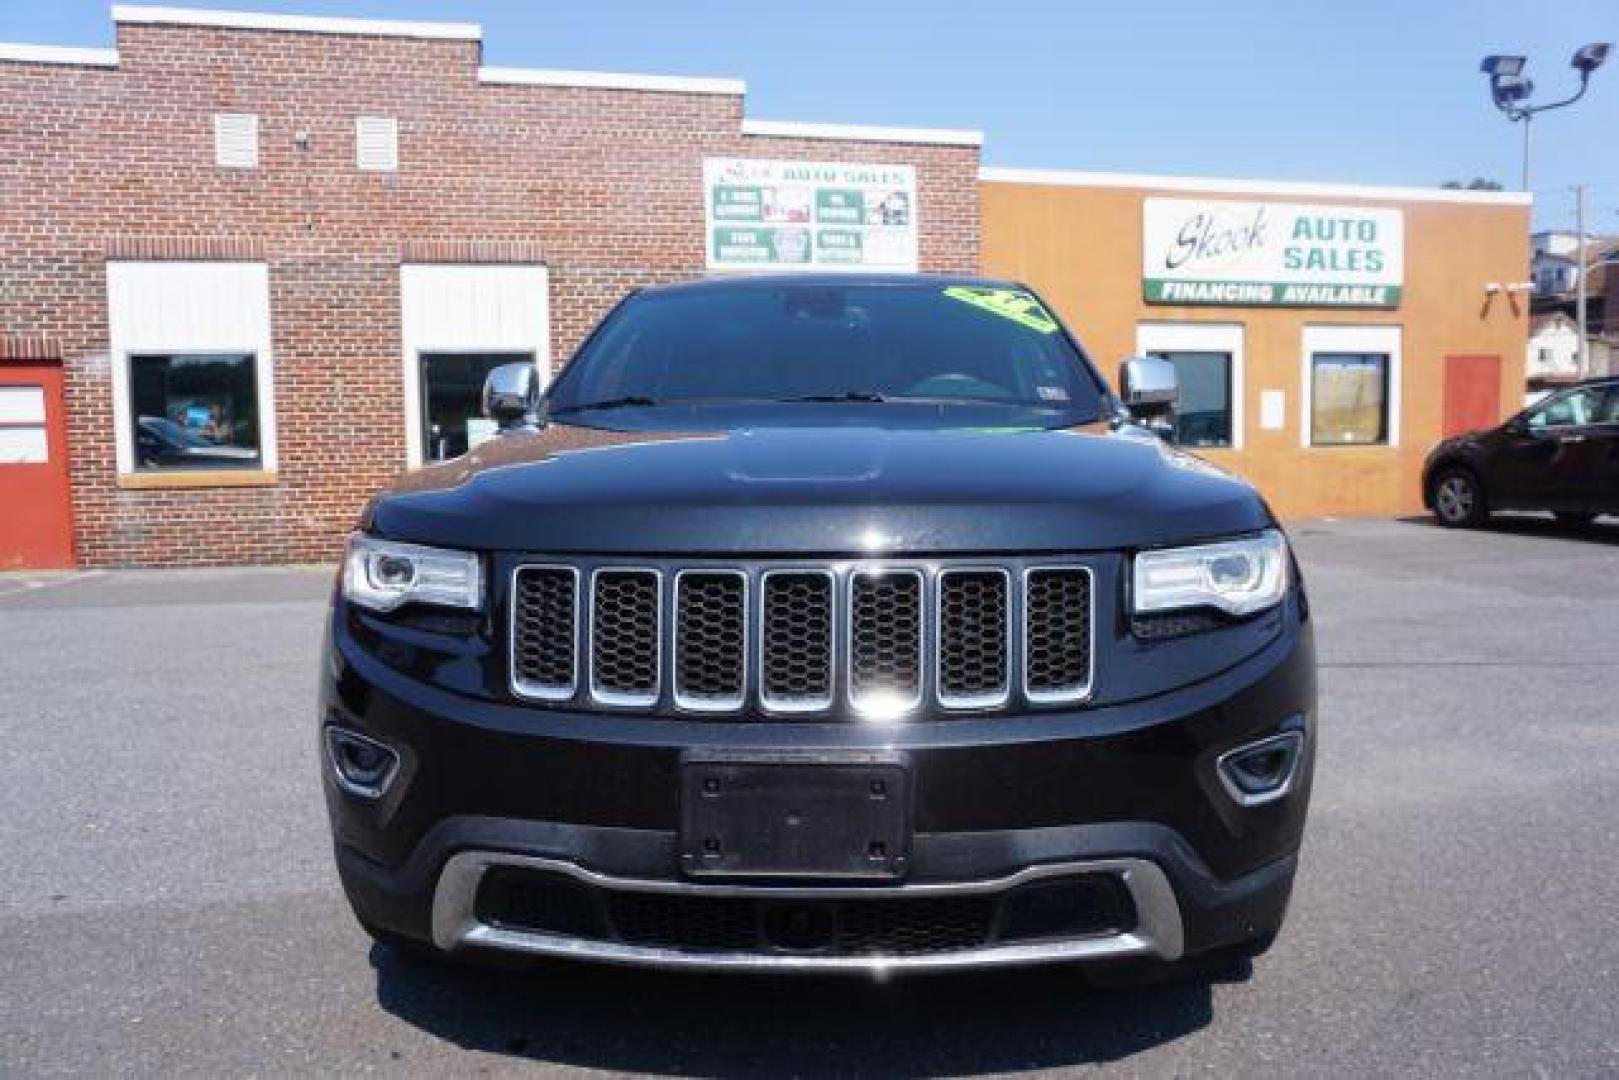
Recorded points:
(1080, 247)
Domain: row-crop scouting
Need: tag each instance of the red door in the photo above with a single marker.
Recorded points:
(36, 508)
(1472, 393)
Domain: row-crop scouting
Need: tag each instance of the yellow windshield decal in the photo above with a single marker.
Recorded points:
(1014, 304)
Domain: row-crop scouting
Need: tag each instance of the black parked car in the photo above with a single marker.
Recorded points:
(824, 623)
(1560, 454)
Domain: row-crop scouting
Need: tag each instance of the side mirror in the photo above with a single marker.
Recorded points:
(511, 394)
(1150, 391)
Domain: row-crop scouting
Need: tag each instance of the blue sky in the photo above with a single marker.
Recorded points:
(1376, 91)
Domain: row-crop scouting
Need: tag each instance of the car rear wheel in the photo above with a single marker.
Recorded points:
(1458, 501)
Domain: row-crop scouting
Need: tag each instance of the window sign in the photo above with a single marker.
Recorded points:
(1349, 398)
(1271, 254)
(806, 215)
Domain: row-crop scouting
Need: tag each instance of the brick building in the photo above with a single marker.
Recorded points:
(253, 266)
(291, 220)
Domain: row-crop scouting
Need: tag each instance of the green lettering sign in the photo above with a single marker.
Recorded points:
(840, 206)
(738, 203)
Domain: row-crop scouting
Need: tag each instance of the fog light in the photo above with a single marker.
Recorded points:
(363, 767)
(1261, 772)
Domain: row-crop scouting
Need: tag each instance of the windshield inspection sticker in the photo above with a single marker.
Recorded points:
(1012, 304)
(1052, 393)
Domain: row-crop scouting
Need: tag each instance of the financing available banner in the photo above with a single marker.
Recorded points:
(809, 215)
(1271, 254)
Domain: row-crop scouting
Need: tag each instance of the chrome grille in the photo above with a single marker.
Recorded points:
(544, 631)
(876, 639)
(1057, 634)
(885, 640)
(797, 640)
(711, 639)
(975, 645)
(626, 632)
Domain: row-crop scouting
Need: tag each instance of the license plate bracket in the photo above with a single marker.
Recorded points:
(795, 817)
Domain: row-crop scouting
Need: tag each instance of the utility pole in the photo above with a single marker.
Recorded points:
(1584, 369)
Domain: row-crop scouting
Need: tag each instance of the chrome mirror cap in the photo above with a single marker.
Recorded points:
(511, 394)
(1148, 381)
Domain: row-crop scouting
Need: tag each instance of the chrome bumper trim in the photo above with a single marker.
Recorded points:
(1157, 934)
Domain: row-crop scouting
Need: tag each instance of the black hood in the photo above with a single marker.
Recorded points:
(824, 490)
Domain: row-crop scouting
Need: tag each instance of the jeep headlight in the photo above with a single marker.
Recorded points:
(382, 575)
(1239, 577)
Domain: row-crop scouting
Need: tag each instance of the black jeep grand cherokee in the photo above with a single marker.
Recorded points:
(833, 623)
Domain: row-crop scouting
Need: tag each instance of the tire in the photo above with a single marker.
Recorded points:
(1458, 499)
(1575, 519)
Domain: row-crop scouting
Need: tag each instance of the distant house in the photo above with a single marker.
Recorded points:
(1552, 263)
(1554, 351)
(1554, 268)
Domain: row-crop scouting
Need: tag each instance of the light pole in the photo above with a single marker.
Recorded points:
(1510, 88)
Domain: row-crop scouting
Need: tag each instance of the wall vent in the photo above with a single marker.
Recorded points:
(376, 143)
(236, 140)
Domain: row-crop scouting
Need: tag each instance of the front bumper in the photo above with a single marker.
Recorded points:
(1129, 792)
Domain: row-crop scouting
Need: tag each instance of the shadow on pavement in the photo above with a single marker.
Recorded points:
(1604, 530)
(607, 1018)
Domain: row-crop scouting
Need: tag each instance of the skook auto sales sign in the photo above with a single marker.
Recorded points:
(1271, 254)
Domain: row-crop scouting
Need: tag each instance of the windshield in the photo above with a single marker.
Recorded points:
(861, 344)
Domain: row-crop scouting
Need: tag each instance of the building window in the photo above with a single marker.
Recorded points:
(1350, 376)
(452, 400)
(23, 436)
(1203, 414)
(1349, 396)
(193, 373)
(195, 411)
(458, 322)
(1208, 362)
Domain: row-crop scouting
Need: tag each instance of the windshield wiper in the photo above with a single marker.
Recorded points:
(629, 401)
(870, 396)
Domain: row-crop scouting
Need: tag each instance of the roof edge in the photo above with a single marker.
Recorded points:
(58, 54)
(144, 15)
(1222, 186)
(611, 80)
(798, 129)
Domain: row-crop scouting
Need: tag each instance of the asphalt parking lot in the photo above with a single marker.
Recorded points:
(167, 903)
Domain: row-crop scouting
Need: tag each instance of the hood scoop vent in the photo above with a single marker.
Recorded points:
(787, 456)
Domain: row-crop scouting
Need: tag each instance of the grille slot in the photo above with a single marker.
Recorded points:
(626, 633)
(711, 639)
(797, 637)
(974, 638)
(1057, 615)
(885, 640)
(545, 621)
